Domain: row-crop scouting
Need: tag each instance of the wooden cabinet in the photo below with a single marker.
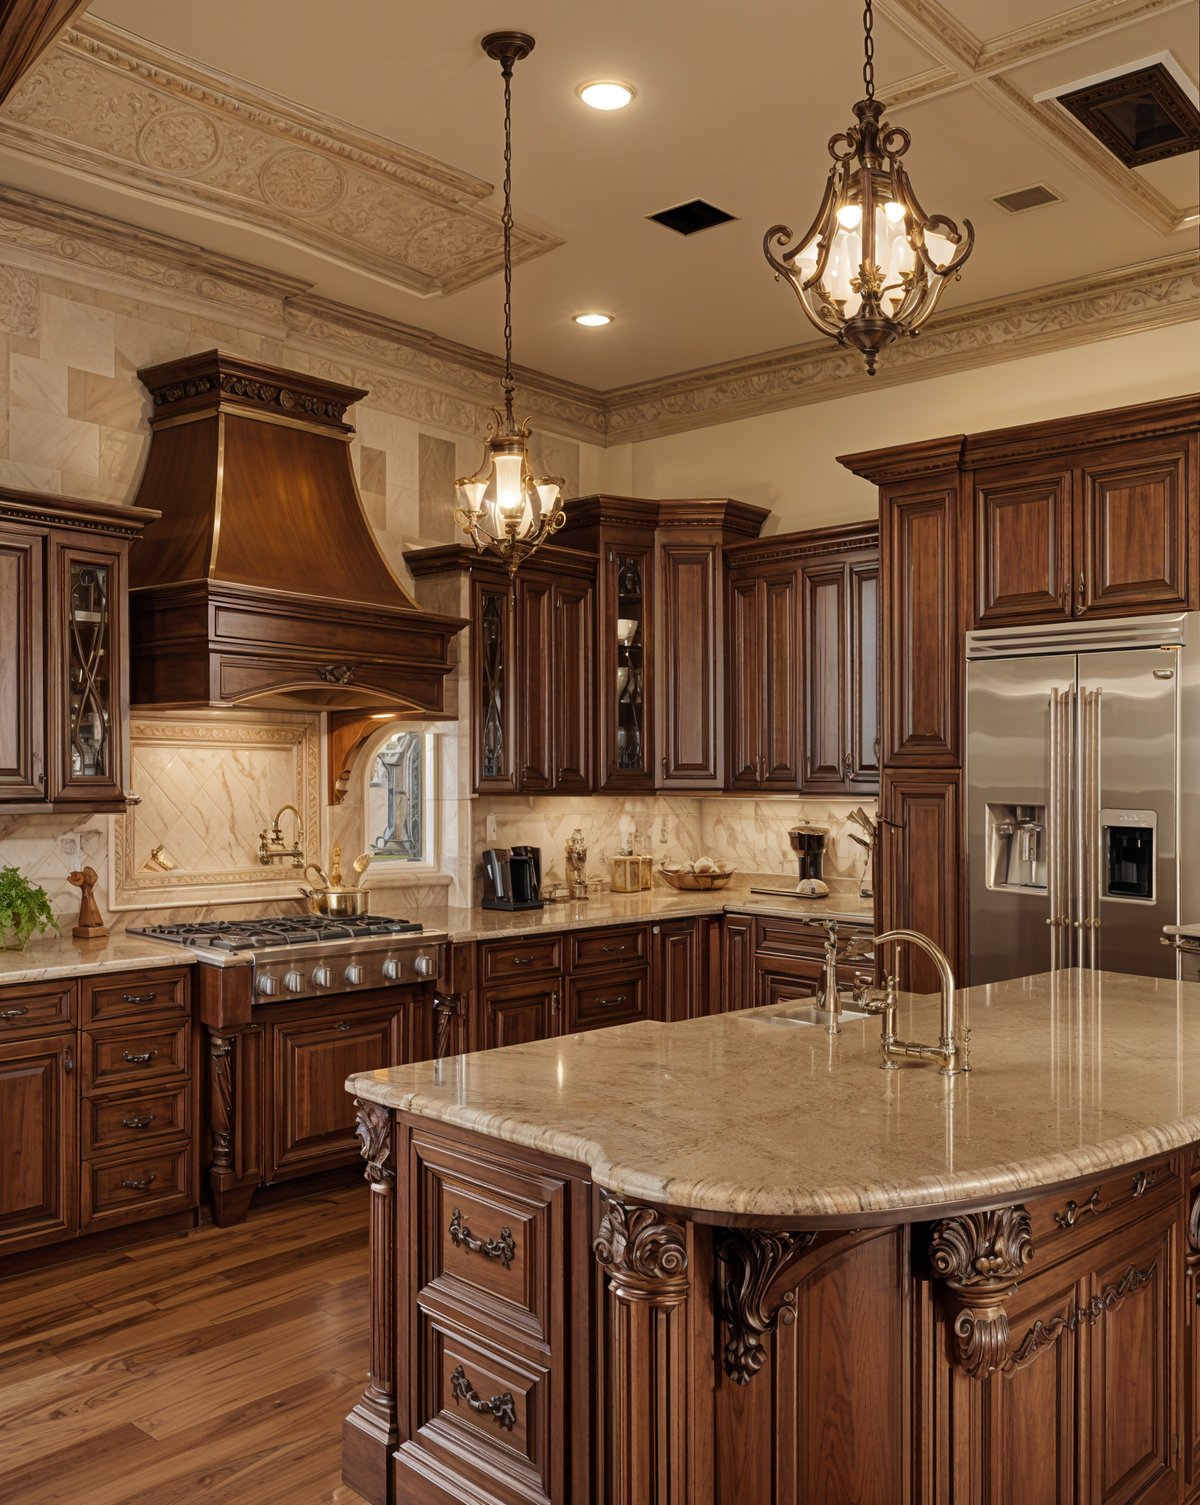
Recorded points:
(312, 1117)
(764, 681)
(737, 968)
(921, 868)
(494, 695)
(516, 1013)
(39, 1175)
(841, 655)
(1096, 532)
(1191, 1308)
(864, 674)
(64, 686)
(675, 971)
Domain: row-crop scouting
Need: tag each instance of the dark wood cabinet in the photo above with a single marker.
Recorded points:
(1023, 550)
(864, 674)
(1191, 1308)
(1136, 533)
(519, 1012)
(764, 681)
(923, 882)
(536, 680)
(737, 967)
(573, 692)
(675, 971)
(312, 1115)
(64, 687)
(39, 1107)
(494, 691)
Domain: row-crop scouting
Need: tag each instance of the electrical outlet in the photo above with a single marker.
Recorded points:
(68, 846)
(489, 829)
(662, 832)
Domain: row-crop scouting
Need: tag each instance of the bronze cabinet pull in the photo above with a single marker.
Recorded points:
(621, 947)
(343, 1026)
(1142, 1181)
(143, 1185)
(68, 1060)
(13, 1013)
(502, 1407)
(138, 997)
(142, 1122)
(848, 764)
(523, 961)
(138, 1058)
(1079, 596)
(1066, 1218)
(503, 1248)
(611, 1003)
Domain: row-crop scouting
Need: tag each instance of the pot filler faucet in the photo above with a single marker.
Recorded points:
(949, 1051)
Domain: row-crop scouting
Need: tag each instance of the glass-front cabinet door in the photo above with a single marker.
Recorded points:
(625, 668)
(494, 687)
(89, 692)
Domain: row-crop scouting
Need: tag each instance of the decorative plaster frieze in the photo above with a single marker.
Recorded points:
(1115, 303)
(110, 104)
(18, 299)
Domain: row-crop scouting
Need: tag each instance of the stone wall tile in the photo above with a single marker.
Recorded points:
(57, 443)
(77, 334)
(39, 385)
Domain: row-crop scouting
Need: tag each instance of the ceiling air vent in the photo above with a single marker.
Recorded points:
(1141, 116)
(1027, 198)
(696, 214)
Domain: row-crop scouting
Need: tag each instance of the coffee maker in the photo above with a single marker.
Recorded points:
(808, 842)
(512, 878)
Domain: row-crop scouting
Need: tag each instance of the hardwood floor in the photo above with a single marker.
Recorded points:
(213, 1367)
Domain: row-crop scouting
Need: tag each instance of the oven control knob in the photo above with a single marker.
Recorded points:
(293, 981)
(425, 966)
(322, 977)
(393, 970)
(266, 985)
(354, 974)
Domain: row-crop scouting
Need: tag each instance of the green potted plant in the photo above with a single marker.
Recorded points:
(24, 908)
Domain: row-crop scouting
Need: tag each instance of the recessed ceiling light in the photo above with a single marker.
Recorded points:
(593, 321)
(606, 93)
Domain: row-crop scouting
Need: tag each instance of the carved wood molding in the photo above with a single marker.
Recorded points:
(1044, 1335)
(373, 1130)
(979, 1255)
(644, 1253)
(221, 1114)
(752, 1301)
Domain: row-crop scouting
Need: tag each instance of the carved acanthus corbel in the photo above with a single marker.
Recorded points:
(979, 1255)
(754, 1263)
(372, 1128)
(644, 1253)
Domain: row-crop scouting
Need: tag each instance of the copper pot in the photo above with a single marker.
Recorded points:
(338, 902)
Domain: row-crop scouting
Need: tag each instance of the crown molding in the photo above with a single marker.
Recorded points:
(111, 106)
(1050, 318)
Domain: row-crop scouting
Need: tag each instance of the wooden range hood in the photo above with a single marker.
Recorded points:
(262, 584)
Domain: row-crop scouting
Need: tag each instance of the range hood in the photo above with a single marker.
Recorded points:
(261, 583)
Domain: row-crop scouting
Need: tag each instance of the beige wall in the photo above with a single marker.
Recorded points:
(787, 461)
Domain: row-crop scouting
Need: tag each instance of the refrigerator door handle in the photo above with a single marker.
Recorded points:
(1068, 888)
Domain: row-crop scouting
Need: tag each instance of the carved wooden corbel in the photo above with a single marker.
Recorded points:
(644, 1253)
(979, 1255)
(755, 1263)
(220, 1106)
(372, 1128)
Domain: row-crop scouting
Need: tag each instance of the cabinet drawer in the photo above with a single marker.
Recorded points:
(134, 996)
(136, 1186)
(114, 1123)
(795, 938)
(134, 1056)
(496, 1249)
(617, 998)
(35, 1009)
(592, 949)
(1065, 1221)
(503, 960)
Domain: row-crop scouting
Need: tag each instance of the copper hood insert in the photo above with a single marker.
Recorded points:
(262, 583)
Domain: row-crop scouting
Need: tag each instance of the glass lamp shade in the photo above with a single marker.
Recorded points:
(504, 508)
(872, 264)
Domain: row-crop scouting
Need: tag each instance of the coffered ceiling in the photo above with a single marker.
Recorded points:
(355, 148)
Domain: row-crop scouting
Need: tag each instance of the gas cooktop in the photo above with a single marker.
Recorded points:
(283, 930)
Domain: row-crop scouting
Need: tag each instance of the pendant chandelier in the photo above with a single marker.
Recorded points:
(873, 264)
(505, 508)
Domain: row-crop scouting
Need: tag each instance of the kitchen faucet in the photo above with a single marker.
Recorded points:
(950, 1051)
(272, 849)
(829, 999)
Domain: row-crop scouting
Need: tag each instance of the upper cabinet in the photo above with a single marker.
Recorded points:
(1106, 529)
(64, 686)
(803, 662)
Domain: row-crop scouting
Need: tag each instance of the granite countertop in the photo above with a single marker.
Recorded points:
(1074, 1073)
(63, 956)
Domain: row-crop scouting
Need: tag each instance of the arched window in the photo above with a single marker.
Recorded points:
(399, 810)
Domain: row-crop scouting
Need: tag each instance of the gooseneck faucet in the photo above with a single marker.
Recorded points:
(949, 1051)
(271, 848)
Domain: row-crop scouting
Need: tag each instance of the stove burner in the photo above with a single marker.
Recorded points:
(254, 934)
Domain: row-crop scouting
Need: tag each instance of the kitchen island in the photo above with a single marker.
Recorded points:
(731, 1259)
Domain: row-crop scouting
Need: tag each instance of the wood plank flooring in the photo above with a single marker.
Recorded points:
(213, 1367)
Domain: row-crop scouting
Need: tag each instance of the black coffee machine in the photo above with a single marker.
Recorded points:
(512, 878)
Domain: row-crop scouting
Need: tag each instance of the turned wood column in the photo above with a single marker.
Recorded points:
(646, 1256)
(370, 1433)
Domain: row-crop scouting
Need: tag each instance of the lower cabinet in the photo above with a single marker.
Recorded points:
(312, 1122)
(517, 1012)
(922, 879)
(676, 982)
(737, 967)
(613, 998)
(39, 1186)
(1191, 1307)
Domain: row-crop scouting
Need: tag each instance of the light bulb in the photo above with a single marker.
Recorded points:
(894, 211)
(941, 250)
(849, 216)
(606, 94)
(593, 321)
(509, 495)
(473, 494)
(547, 491)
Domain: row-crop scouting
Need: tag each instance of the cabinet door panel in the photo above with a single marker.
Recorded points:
(1022, 547)
(22, 671)
(90, 695)
(826, 729)
(519, 1013)
(674, 971)
(864, 676)
(746, 683)
(536, 656)
(494, 688)
(1136, 535)
(781, 706)
(771, 986)
(738, 966)
(573, 688)
(625, 667)
(691, 683)
(922, 883)
(39, 1198)
(313, 1114)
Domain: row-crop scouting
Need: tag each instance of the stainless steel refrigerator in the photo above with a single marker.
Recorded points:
(1083, 795)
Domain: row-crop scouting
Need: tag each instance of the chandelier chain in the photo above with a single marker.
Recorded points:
(507, 222)
(869, 50)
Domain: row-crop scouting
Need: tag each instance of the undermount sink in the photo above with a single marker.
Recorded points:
(809, 1014)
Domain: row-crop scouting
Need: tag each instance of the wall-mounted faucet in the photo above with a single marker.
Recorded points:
(271, 847)
(950, 1051)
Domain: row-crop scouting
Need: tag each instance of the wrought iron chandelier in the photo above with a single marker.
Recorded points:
(504, 507)
(873, 264)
